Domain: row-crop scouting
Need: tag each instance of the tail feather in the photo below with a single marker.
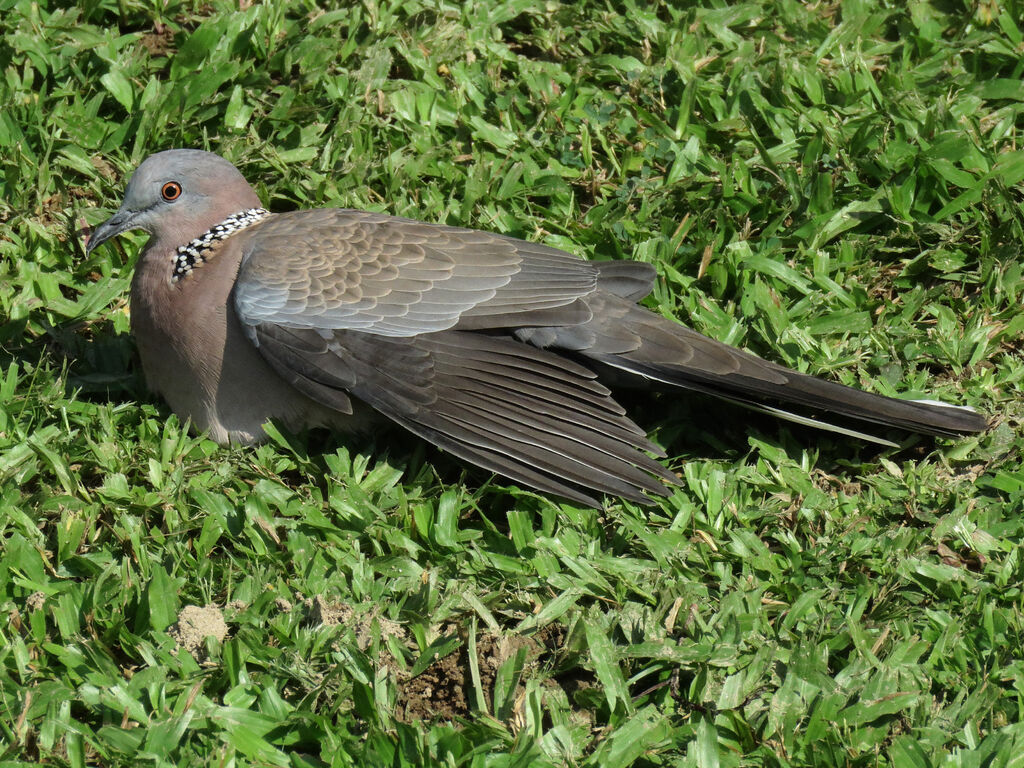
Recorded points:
(673, 354)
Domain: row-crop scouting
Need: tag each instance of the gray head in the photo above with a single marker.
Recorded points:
(178, 195)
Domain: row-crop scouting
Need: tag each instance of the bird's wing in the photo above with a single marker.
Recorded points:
(508, 407)
(336, 269)
(382, 308)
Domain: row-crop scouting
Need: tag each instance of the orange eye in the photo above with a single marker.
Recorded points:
(171, 191)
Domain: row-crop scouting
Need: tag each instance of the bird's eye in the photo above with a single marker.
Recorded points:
(171, 191)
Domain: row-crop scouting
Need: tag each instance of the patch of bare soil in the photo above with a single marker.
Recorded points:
(327, 614)
(194, 625)
(439, 692)
(159, 42)
(442, 691)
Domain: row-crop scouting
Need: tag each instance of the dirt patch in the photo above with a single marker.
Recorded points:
(194, 625)
(443, 690)
(329, 614)
(283, 605)
(439, 692)
(159, 42)
(340, 614)
(493, 651)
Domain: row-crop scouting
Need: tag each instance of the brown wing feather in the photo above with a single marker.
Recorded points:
(353, 270)
(508, 407)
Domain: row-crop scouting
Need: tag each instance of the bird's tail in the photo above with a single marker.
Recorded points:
(629, 338)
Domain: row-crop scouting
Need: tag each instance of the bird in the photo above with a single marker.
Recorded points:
(497, 350)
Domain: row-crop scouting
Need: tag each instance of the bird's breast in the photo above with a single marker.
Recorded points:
(195, 354)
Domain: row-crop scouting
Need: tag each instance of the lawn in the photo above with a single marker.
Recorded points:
(835, 186)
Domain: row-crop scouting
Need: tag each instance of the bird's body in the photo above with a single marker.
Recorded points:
(482, 344)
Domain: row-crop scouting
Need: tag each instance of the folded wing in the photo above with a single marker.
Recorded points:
(391, 311)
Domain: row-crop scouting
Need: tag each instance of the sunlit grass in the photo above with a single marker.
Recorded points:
(835, 186)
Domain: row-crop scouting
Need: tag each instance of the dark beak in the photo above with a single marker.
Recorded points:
(122, 221)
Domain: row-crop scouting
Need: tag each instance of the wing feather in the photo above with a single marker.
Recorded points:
(336, 269)
(508, 407)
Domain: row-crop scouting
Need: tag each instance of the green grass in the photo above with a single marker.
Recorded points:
(835, 186)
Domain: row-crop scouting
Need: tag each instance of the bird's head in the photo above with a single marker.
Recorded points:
(177, 195)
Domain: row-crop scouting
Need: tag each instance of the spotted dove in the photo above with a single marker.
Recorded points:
(487, 346)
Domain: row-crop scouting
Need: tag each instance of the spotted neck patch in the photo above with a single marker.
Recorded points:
(194, 254)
